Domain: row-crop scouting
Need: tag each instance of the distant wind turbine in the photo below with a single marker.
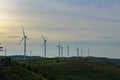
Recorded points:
(88, 52)
(61, 51)
(68, 51)
(5, 51)
(25, 38)
(81, 52)
(77, 52)
(45, 44)
(30, 53)
(58, 49)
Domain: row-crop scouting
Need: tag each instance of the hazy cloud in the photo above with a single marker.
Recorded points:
(61, 20)
(13, 36)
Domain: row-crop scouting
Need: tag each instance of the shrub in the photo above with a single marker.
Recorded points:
(23, 65)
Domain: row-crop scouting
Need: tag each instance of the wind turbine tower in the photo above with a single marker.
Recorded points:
(5, 51)
(81, 52)
(68, 50)
(45, 44)
(30, 53)
(25, 38)
(59, 50)
(77, 52)
(88, 52)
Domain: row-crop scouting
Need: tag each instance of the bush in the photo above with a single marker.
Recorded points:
(36, 69)
(29, 67)
(48, 75)
(23, 65)
(57, 61)
(15, 63)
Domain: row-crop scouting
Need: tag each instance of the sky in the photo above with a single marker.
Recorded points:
(87, 24)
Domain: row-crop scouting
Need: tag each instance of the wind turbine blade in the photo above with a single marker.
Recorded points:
(21, 40)
(23, 30)
(42, 36)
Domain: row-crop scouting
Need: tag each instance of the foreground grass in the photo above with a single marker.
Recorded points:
(15, 72)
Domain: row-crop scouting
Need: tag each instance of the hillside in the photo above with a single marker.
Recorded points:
(59, 69)
(73, 69)
(17, 73)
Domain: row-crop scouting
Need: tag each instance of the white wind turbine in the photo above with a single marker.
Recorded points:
(81, 53)
(88, 52)
(5, 51)
(45, 44)
(59, 47)
(25, 38)
(62, 51)
(68, 51)
(77, 52)
(30, 53)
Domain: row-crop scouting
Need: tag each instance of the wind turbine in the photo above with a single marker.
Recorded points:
(58, 50)
(5, 51)
(77, 52)
(88, 52)
(68, 51)
(30, 53)
(81, 53)
(45, 43)
(25, 38)
(61, 51)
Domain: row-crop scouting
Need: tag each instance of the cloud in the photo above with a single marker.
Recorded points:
(79, 16)
(13, 36)
(108, 37)
(2, 34)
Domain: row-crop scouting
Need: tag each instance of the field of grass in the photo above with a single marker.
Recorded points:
(59, 69)
(75, 69)
(17, 73)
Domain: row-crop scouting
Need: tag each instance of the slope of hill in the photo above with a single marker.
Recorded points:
(17, 73)
(75, 69)
(59, 69)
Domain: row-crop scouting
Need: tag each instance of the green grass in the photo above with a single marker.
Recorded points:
(70, 70)
(16, 72)
(58, 69)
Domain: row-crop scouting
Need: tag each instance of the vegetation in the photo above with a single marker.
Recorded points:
(15, 72)
(59, 69)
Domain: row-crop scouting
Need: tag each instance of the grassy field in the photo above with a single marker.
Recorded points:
(17, 73)
(59, 69)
